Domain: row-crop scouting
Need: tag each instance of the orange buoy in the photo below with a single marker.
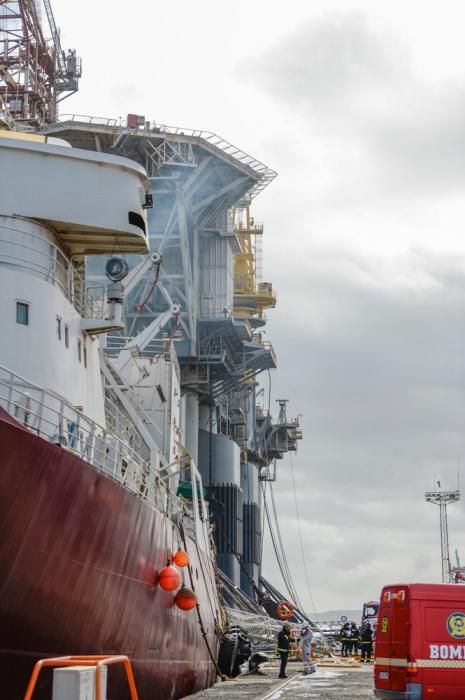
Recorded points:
(181, 558)
(169, 578)
(285, 610)
(185, 599)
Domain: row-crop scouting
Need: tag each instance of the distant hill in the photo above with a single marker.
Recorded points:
(335, 615)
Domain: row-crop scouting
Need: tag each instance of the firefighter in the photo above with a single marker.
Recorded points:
(366, 643)
(345, 639)
(354, 639)
(284, 643)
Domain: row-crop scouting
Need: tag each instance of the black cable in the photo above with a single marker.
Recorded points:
(285, 571)
(287, 583)
(231, 549)
(262, 532)
(197, 607)
(300, 535)
(202, 571)
(236, 593)
(280, 554)
(278, 530)
(210, 439)
(269, 390)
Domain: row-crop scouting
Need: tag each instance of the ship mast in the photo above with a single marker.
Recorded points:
(35, 72)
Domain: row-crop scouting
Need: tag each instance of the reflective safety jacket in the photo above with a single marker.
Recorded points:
(283, 642)
(366, 635)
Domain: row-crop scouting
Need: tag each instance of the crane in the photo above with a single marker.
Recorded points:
(35, 73)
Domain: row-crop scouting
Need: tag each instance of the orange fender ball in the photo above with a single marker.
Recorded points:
(181, 558)
(169, 578)
(285, 610)
(185, 599)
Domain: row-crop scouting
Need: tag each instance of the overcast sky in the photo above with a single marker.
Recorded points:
(360, 107)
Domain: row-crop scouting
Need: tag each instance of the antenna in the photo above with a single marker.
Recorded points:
(442, 499)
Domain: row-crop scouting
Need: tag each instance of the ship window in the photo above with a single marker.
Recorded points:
(79, 350)
(85, 356)
(22, 313)
(58, 328)
(67, 336)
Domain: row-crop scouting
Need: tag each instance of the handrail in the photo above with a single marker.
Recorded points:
(45, 259)
(96, 661)
(266, 174)
(220, 143)
(90, 119)
(49, 415)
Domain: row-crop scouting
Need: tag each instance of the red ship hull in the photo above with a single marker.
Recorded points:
(78, 558)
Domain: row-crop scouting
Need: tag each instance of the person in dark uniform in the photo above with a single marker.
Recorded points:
(345, 639)
(284, 642)
(354, 639)
(360, 630)
(366, 643)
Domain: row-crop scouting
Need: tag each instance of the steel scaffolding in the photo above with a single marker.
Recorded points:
(35, 73)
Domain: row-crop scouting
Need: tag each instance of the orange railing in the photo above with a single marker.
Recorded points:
(97, 661)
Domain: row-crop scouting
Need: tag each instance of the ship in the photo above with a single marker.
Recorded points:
(131, 425)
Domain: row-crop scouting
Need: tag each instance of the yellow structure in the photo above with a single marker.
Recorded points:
(250, 298)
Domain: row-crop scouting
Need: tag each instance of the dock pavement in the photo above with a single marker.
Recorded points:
(328, 683)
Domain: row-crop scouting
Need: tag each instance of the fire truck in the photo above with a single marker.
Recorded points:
(370, 613)
(420, 643)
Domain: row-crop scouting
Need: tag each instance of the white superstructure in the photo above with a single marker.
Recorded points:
(58, 204)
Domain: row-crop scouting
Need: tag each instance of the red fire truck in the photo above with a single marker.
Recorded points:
(370, 613)
(420, 642)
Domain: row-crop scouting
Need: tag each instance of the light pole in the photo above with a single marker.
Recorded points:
(442, 499)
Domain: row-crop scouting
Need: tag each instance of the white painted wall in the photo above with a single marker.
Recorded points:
(34, 351)
(85, 196)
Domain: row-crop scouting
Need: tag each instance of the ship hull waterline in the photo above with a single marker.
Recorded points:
(79, 557)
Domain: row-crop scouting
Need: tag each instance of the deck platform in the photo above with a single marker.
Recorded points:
(328, 683)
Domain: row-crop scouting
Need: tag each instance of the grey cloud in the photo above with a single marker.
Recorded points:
(378, 371)
(330, 60)
(423, 140)
(355, 87)
(370, 350)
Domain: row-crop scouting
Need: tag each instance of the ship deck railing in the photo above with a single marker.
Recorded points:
(215, 142)
(49, 416)
(45, 260)
(156, 347)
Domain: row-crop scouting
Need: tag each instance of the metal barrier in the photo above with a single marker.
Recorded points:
(92, 661)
